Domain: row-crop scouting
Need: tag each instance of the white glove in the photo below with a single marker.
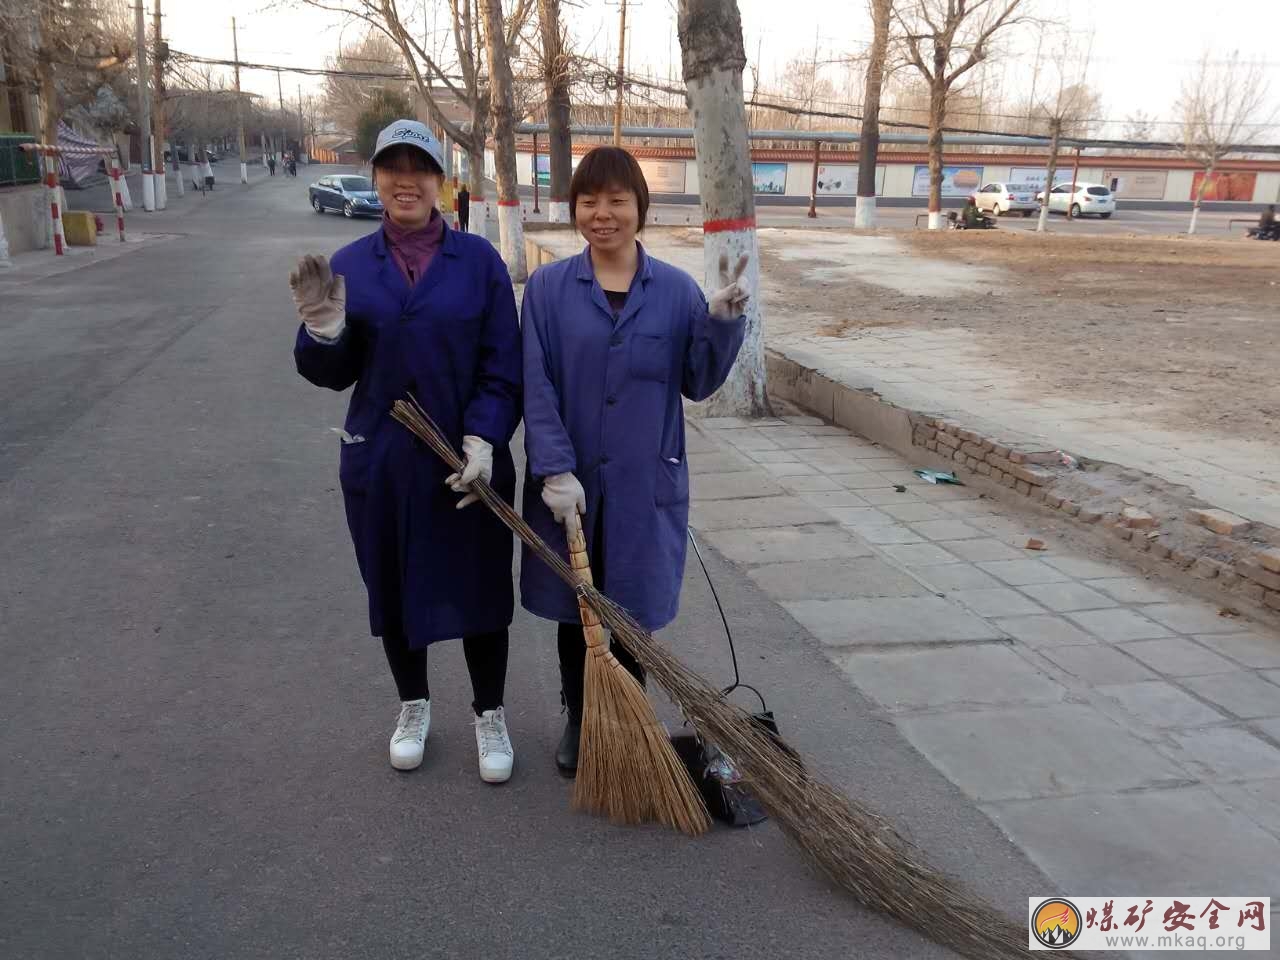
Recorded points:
(567, 501)
(730, 301)
(479, 466)
(321, 298)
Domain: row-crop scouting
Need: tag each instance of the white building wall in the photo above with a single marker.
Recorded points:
(1267, 189)
(1178, 185)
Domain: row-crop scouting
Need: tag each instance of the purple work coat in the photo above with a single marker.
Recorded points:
(432, 571)
(602, 399)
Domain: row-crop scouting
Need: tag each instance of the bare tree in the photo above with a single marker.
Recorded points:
(556, 67)
(1065, 110)
(510, 227)
(713, 60)
(944, 40)
(1138, 126)
(347, 97)
(1221, 107)
(869, 143)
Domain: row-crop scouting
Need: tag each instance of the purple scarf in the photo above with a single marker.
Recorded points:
(413, 250)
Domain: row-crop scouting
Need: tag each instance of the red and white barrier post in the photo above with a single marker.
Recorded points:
(116, 198)
(55, 213)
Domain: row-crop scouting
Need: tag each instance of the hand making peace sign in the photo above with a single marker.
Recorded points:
(730, 301)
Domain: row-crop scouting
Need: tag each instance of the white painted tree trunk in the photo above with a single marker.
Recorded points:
(864, 214)
(244, 172)
(502, 109)
(479, 213)
(126, 200)
(1195, 207)
(713, 59)
(5, 262)
(1195, 216)
(1042, 224)
(148, 191)
(162, 189)
(556, 86)
(935, 219)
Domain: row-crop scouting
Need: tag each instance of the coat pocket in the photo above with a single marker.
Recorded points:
(650, 357)
(353, 465)
(672, 485)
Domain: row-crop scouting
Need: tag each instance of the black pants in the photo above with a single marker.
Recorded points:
(464, 216)
(572, 644)
(486, 655)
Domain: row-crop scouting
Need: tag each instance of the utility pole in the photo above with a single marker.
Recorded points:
(144, 109)
(284, 136)
(162, 199)
(302, 126)
(235, 46)
(622, 66)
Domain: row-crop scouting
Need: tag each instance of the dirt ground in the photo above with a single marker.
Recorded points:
(1192, 326)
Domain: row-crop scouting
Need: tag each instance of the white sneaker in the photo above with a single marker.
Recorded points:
(410, 738)
(494, 746)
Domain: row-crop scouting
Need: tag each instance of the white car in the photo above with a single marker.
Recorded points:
(1092, 199)
(1001, 198)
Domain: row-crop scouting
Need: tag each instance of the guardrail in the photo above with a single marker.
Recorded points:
(17, 166)
(1249, 221)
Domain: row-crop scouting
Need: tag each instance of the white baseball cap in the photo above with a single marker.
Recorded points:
(413, 134)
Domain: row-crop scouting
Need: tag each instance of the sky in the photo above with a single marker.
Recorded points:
(1140, 49)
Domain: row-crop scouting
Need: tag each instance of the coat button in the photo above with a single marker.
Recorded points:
(604, 459)
(611, 401)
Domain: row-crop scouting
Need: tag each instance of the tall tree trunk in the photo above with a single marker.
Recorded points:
(1195, 207)
(937, 117)
(869, 143)
(556, 81)
(50, 109)
(713, 59)
(502, 97)
(1043, 223)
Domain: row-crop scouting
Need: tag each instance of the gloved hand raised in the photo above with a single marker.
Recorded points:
(321, 297)
(730, 301)
(479, 466)
(567, 501)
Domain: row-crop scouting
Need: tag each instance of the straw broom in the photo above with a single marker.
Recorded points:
(853, 845)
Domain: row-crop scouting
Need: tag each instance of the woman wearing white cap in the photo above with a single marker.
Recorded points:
(418, 308)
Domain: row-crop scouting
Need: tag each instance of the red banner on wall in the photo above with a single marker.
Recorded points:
(1225, 186)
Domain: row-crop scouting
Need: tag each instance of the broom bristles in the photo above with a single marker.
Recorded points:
(627, 768)
(851, 844)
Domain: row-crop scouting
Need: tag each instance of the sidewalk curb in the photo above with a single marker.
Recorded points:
(1222, 557)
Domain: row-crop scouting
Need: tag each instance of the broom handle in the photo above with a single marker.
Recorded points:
(592, 631)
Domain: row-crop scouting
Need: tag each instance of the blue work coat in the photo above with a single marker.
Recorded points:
(602, 400)
(432, 571)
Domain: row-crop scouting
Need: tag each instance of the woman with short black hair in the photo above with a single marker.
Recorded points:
(614, 341)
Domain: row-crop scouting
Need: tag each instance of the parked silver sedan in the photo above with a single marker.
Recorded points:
(999, 198)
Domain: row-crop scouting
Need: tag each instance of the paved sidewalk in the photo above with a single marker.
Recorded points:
(1125, 737)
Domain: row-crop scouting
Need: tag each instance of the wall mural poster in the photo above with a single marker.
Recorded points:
(1136, 184)
(1225, 186)
(956, 181)
(837, 180)
(1033, 177)
(544, 170)
(769, 177)
(664, 176)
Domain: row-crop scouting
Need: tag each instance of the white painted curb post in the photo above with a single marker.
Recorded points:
(177, 172)
(126, 198)
(5, 262)
(935, 219)
(244, 172)
(196, 178)
(148, 189)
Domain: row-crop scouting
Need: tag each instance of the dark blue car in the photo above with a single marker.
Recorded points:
(353, 195)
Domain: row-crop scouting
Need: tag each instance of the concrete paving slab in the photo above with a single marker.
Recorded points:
(1192, 618)
(1229, 753)
(1269, 728)
(771, 456)
(809, 484)
(1029, 752)
(987, 548)
(824, 499)
(1178, 657)
(833, 579)
(1243, 694)
(732, 486)
(791, 469)
(861, 516)
(889, 620)
(1067, 596)
(997, 602)
(886, 496)
(804, 420)
(884, 533)
(943, 530)
(1044, 630)
(864, 480)
(945, 492)
(1259, 800)
(1147, 841)
(1133, 590)
(1097, 663)
(969, 508)
(915, 512)
(1247, 649)
(780, 544)
(918, 554)
(749, 439)
(1118, 625)
(695, 442)
(720, 461)
(1085, 569)
(1159, 703)
(781, 511)
(984, 675)
(956, 576)
(1020, 573)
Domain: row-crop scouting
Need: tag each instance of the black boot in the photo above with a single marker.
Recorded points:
(567, 749)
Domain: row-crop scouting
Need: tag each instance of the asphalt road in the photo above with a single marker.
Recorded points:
(194, 721)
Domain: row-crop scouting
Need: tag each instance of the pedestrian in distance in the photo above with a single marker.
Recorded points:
(417, 308)
(271, 165)
(464, 208)
(1267, 226)
(614, 342)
